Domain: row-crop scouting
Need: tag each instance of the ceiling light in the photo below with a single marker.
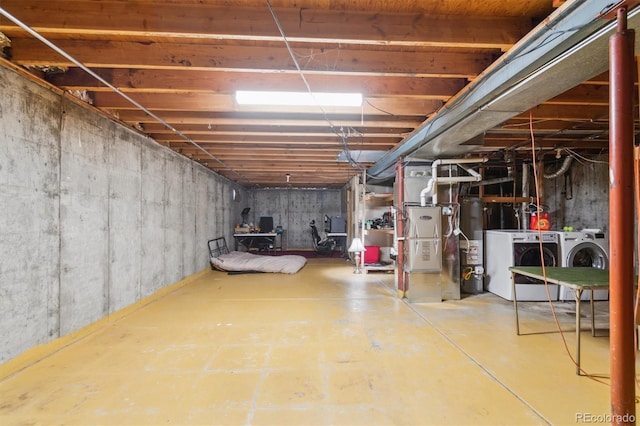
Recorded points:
(248, 97)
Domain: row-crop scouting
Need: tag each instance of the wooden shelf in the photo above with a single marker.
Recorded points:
(379, 200)
(387, 268)
(390, 231)
(375, 205)
(386, 196)
(507, 200)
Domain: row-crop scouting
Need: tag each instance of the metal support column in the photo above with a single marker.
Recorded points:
(621, 272)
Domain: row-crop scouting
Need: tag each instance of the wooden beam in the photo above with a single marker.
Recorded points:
(267, 167)
(574, 112)
(258, 134)
(522, 125)
(492, 199)
(583, 94)
(322, 128)
(568, 111)
(203, 125)
(217, 56)
(239, 118)
(284, 154)
(596, 144)
(197, 21)
(251, 160)
(267, 170)
(224, 103)
(286, 141)
(335, 147)
(212, 81)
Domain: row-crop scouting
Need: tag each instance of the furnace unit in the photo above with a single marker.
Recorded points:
(423, 253)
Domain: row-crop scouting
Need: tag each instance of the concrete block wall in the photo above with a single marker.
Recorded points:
(94, 216)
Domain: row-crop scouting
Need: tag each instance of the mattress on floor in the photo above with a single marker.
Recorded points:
(243, 261)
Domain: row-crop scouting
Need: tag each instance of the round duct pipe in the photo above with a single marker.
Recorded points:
(562, 170)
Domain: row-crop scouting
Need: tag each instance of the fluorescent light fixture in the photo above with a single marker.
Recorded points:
(249, 97)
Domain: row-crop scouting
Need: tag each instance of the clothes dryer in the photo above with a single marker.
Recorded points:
(506, 248)
(589, 249)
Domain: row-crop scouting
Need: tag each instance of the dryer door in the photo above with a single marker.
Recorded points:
(588, 255)
(528, 254)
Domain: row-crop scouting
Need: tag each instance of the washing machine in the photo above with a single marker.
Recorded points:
(506, 248)
(588, 248)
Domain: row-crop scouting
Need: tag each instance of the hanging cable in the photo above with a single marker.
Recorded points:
(115, 89)
(544, 270)
(636, 179)
(582, 157)
(343, 138)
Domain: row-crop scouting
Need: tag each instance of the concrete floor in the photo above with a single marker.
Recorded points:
(320, 347)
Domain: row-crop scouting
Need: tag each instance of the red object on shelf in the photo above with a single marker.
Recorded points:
(540, 221)
(372, 254)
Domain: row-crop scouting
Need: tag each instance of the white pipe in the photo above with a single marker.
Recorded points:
(457, 179)
(451, 187)
(432, 185)
(424, 192)
(473, 173)
(575, 27)
(469, 160)
(454, 179)
(434, 176)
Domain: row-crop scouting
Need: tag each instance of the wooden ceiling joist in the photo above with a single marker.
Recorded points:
(222, 57)
(225, 103)
(211, 22)
(214, 81)
(183, 61)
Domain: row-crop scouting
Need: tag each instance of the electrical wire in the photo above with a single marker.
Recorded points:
(548, 39)
(115, 89)
(545, 120)
(509, 57)
(544, 269)
(526, 123)
(468, 249)
(292, 54)
(636, 179)
(581, 157)
(468, 273)
(380, 109)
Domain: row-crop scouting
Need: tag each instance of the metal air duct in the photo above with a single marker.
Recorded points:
(569, 47)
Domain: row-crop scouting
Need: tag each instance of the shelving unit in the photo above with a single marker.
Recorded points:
(374, 206)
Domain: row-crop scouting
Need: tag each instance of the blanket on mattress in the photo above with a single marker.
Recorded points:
(243, 261)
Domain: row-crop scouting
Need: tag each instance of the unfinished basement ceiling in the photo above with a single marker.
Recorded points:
(183, 61)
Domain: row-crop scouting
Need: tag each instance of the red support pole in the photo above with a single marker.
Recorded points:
(621, 271)
(400, 227)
